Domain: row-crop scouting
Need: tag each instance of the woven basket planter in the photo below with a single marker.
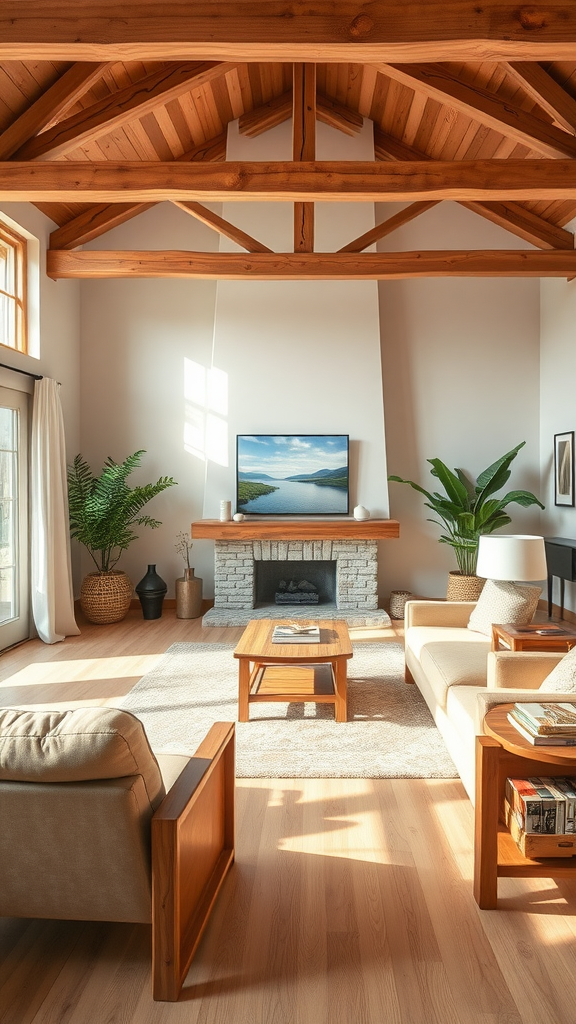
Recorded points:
(464, 588)
(105, 596)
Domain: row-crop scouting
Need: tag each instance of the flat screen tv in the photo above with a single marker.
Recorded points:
(292, 474)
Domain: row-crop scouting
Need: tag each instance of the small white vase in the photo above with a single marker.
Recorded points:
(361, 513)
(225, 511)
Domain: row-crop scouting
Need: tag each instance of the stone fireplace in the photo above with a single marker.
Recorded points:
(346, 563)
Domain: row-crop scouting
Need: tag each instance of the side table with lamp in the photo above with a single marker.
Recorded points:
(520, 558)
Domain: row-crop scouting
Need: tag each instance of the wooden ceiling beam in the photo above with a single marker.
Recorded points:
(99, 219)
(53, 103)
(95, 221)
(490, 109)
(278, 110)
(284, 181)
(337, 115)
(268, 30)
(545, 91)
(387, 226)
(223, 227)
(304, 147)
(120, 107)
(310, 266)
(267, 115)
(510, 216)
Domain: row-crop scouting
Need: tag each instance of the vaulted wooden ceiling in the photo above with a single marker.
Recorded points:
(95, 142)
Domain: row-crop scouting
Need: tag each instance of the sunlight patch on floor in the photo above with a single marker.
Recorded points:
(81, 669)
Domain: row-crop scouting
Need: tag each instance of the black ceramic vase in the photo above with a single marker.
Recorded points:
(151, 590)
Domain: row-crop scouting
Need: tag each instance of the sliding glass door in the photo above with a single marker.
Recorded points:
(14, 560)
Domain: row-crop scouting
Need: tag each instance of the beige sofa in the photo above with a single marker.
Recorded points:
(460, 677)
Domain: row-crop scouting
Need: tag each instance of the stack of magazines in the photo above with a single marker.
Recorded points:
(296, 633)
(545, 724)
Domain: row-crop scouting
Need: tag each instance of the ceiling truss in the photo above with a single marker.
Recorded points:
(81, 148)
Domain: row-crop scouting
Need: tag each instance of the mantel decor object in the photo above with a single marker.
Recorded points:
(361, 513)
(188, 595)
(151, 591)
(225, 511)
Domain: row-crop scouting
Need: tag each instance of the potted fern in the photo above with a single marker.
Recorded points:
(466, 511)
(103, 513)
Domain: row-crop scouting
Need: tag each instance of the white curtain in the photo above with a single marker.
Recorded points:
(52, 594)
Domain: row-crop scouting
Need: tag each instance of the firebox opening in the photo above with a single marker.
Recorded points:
(294, 583)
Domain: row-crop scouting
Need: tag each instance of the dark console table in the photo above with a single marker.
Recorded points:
(561, 561)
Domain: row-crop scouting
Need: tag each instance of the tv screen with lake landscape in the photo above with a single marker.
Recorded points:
(292, 474)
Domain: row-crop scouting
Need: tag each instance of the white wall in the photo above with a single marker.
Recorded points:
(558, 404)
(301, 356)
(139, 340)
(461, 383)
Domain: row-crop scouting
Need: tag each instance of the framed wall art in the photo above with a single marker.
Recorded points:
(564, 468)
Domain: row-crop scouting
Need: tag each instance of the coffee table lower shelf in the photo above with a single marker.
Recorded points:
(292, 683)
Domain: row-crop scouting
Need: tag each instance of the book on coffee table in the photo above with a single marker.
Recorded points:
(296, 634)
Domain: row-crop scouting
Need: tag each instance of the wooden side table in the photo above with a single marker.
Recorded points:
(504, 753)
(535, 637)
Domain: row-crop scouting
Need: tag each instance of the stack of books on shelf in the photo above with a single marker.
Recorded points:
(541, 814)
(296, 633)
(545, 724)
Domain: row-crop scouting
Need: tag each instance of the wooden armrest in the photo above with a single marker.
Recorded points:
(192, 849)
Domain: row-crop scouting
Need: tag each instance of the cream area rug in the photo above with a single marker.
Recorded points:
(390, 732)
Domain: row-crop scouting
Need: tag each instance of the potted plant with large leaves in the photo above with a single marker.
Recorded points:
(466, 511)
(103, 513)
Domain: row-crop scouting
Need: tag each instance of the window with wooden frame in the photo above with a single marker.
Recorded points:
(13, 269)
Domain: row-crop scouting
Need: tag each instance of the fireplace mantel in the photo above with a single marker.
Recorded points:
(296, 529)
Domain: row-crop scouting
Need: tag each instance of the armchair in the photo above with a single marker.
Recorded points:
(96, 828)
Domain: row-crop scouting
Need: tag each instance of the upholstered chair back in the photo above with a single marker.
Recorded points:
(77, 793)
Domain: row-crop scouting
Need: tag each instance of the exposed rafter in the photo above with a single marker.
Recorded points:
(490, 109)
(362, 181)
(278, 110)
(331, 30)
(558, 103)
(311, 266)
(53, 104)
(119, 108)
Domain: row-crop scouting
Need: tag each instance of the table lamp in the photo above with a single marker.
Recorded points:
(511, 557)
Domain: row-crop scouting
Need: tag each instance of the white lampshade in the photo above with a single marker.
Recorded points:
(511, 557)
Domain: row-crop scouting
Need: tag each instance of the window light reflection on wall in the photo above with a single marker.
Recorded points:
(206, 412)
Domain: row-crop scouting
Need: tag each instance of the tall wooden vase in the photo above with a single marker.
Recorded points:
(188, 596)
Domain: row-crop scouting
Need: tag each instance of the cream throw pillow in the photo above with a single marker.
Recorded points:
(502, 602)
(562, 678)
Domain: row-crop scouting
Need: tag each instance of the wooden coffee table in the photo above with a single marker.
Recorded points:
(293, 673)
(538, 636)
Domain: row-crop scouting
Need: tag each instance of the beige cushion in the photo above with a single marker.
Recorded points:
(76, 745)
(418, 637)
(562, 678)
(453, 663)
(502, 602)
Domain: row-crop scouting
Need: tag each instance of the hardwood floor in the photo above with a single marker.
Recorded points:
(350, 900)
